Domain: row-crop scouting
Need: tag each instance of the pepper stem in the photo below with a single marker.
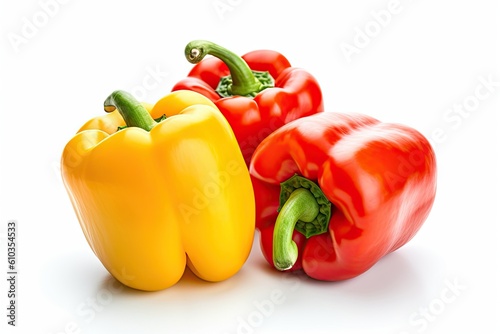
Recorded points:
(304, 208)
(243, 81)
(133, 112)
(301, 205)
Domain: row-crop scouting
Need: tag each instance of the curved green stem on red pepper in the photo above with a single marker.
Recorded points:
(242, 81)
(133, 112)
(318, 224)
(301, 205)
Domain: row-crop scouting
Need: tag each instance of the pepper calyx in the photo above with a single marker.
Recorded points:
(319, 225)
(157, 120)
(225, 87)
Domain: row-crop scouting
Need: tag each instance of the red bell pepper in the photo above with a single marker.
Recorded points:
(257, 93)
(349, 190)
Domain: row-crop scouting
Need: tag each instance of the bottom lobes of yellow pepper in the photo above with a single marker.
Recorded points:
(150, 203)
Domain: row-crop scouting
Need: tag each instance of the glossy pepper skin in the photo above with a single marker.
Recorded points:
(154, 197)
(257, 93)
(380, 179)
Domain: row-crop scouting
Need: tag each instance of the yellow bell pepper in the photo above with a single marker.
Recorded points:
(156, 196)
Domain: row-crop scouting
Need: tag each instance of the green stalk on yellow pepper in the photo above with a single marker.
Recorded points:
(154, 197)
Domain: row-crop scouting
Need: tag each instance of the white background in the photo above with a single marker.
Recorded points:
(59, 61)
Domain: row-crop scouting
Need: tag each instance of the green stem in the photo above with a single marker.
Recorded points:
(243, 79)
(133, 112)
(301, 205)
